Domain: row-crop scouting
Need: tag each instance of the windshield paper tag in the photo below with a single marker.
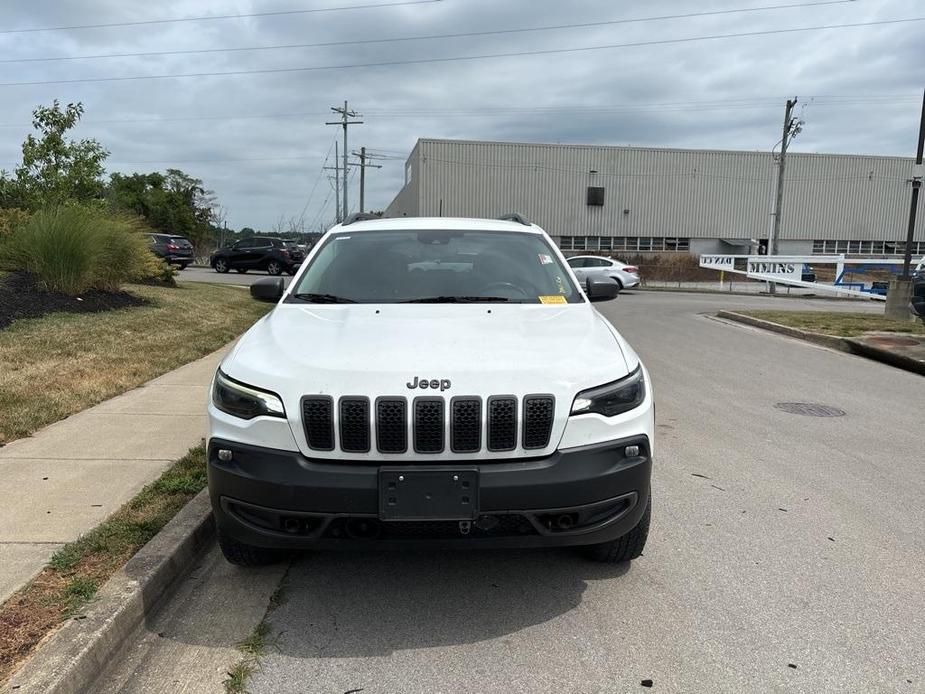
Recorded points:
(554, 299)
(545, 259)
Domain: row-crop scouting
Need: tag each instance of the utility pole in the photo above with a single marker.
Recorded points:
(791, 128)
(346, 115)
(900, 291)
(336, 169)
(364, 157)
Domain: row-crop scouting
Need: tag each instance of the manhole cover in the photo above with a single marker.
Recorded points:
(809, 409)
(893, 341)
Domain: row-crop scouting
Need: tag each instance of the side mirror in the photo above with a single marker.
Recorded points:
(602, 289)
(268, 289)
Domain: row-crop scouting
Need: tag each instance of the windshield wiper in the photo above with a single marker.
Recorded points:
(324, 298)
(454, 299)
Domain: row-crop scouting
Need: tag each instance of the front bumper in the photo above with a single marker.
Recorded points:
(273, 498)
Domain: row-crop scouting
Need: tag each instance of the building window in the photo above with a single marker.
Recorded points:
(826, 247)
(627, 244)
(595, 196)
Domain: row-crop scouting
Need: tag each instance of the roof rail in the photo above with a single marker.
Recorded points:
(514, 217)
(359, 217)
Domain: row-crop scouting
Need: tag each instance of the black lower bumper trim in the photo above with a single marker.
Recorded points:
(275, 498)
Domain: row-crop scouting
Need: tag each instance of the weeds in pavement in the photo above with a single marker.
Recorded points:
(253, 648)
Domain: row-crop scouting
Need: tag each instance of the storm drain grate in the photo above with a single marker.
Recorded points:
(809, 409)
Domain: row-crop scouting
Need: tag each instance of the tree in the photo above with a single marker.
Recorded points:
(174, 203)
(55, 170)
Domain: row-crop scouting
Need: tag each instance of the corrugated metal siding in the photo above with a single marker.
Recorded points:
(408, 201)
(688, 193)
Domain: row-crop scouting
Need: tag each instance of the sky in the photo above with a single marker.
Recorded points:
(260, 142)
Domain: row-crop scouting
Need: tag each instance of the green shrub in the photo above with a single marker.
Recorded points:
(72, 249)
(10, 218)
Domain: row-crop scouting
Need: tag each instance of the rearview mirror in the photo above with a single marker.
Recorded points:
(602, 289)
(268, 289)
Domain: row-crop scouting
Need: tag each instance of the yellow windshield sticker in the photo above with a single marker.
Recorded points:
(553, 299)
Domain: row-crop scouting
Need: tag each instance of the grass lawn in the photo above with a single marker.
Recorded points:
(79, 568)
(838, 324)
(54, 366)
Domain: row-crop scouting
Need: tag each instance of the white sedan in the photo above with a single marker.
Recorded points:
(592, 267)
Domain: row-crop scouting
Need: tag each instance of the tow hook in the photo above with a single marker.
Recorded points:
(465, 527)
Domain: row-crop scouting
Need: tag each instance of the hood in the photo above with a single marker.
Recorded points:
(475, 350)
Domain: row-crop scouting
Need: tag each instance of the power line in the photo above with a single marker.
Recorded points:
(428, 37)
(484, 112)
(174, 20)
(311, 195)
(484, 56)
(196, 161)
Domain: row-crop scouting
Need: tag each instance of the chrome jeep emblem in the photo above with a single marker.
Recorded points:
(434, 384)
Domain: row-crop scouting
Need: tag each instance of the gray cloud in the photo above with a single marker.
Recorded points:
(594, 93)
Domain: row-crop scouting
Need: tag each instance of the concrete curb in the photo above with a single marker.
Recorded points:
(71, 660)
(892, 358)
(818, 338)
(842, 344)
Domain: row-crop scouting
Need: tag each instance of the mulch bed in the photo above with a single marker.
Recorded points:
(22, 297)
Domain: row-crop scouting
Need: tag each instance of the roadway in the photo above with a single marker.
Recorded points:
(786, 553)
(207, 274)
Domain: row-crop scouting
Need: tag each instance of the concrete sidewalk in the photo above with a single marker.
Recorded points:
(71, 475)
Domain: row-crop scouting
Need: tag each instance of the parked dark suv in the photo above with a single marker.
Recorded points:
(176, 250)
(274, 256)
(918, 294)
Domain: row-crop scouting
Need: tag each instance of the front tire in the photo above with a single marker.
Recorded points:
(625, 548)
(274, 267)
(221, 265)
(240, 554)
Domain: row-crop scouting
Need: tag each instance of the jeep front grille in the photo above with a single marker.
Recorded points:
(432, 429)
(318, 420)
(391, 425)
(538, 415)
(502, 423)
(428, 425)
(354, 425)
(465, 425)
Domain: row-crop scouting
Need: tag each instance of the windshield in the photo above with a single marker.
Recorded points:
(436, 266)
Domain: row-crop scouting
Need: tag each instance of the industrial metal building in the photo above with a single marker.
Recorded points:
(643, 199)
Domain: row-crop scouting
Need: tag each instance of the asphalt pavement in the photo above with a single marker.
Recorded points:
(207, 274)
(786, 553)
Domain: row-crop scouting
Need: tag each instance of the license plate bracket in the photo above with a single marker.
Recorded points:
(428, 494)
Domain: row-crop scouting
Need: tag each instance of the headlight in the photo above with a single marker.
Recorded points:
(244, 401)
(613, 398)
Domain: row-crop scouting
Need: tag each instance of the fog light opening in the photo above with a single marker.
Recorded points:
(224, 455)
(631, 451)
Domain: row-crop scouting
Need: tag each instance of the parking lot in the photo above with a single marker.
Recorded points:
(786, 553)
(207, 274)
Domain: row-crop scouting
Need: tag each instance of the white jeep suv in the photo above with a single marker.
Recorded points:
(432, 381)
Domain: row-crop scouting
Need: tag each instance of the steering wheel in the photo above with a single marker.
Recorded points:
(484, 291)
